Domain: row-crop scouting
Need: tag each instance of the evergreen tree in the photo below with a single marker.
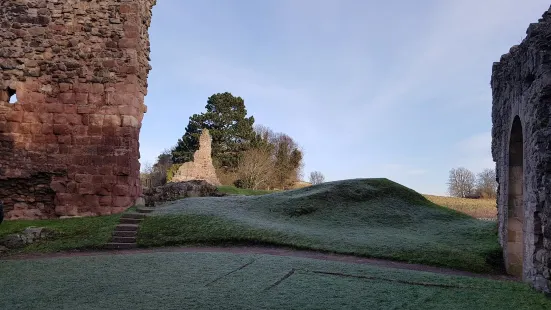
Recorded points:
(189, 143)
(230, 128)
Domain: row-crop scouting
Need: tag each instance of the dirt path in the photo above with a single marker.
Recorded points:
(277, 251)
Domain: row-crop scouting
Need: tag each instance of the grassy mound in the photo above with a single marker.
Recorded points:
(366, 217)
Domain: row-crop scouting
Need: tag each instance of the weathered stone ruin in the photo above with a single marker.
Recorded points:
(178, 190)
(201, 168)
(28, 236)
(521, 148)
(78, 68)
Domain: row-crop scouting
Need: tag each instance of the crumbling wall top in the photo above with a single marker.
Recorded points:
(537, 33)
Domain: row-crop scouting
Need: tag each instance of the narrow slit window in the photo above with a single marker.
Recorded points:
(12, 95)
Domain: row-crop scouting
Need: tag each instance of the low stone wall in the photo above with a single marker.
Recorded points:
(179, 190)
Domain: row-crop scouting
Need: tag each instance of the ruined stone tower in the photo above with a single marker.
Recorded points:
(521, 148)
(201, 168)
(78, 68)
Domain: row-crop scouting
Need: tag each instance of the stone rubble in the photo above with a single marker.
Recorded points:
(179, 190)
(28, 236)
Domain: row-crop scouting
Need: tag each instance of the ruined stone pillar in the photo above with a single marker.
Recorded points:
(521, 148)
(78, 68)
(201, 168)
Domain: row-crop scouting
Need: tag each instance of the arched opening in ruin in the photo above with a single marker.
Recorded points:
(12, 95)
(8, 95)
(515, 205)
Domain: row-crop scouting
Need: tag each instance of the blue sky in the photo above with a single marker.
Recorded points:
(397, 88)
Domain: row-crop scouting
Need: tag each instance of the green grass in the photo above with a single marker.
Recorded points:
(242, 191)
(230, 281)
(72, 233)
(366, 217)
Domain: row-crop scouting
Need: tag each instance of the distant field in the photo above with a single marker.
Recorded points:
(365, 217)
(478, 208)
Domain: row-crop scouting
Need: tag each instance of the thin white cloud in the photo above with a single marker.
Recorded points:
(474, 152)
(327, 83)
(416, 171)
(443, 53)
(478, 143)
(394, 167)
(402, 169)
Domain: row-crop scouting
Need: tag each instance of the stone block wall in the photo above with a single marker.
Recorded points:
(69, 145)
(201, 168)
(521, 88)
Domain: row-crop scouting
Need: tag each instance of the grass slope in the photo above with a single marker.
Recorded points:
(74, 233)
(229, 281)
(366, 217)
(232, 190)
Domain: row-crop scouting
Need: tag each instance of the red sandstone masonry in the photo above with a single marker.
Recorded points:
(69, 146)
(201, 167)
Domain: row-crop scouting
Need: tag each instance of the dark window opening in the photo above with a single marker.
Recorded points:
(515, 203)
(529, 79)
(12, 95)
(8, 95)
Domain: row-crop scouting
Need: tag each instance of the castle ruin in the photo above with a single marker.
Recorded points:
(78, 68)
(201, 168)
(521, 148)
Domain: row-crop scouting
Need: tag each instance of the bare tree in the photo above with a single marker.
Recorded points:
(146, 167)
(255, 168)
(286, 154)
(156, 174)
(316, 177)
(145, 174)
(300, 171)
(486, 184)
(264, 132)
(461, 182)
(288, 161)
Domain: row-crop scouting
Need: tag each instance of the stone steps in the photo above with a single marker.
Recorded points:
(125, 234)
(129, 220)
(133, 215)
(127, 227)
(121, 239)
(144, 210)
(121, 246)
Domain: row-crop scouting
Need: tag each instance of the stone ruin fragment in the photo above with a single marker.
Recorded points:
(521, 148)
(201, 168)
